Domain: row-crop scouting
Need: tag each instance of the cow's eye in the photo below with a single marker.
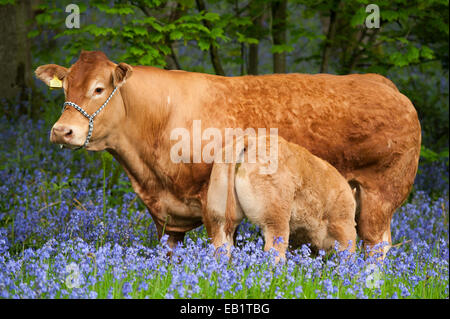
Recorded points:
(98, 90)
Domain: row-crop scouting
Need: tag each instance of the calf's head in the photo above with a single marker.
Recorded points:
(88, 83)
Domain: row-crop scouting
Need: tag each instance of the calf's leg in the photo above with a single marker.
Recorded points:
(344, 232)
(276, 235)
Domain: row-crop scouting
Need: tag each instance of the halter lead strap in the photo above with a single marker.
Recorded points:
(89, 117)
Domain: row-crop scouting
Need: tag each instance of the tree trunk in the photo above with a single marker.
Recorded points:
(237, 13)
(15, 57)
(256, 12)
(253, 59)
(279, 14)
(213, 52)
(330, 37)
(171, 59)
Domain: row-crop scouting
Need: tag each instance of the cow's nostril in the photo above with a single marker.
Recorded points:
(62, 131)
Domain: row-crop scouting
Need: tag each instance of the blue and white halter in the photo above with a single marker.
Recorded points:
(89, 117)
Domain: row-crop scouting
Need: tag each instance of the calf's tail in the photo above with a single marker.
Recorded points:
(356, 189)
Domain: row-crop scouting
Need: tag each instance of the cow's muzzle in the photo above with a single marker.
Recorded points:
(65, 135)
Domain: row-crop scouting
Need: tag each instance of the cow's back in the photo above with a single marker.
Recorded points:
(351, 121)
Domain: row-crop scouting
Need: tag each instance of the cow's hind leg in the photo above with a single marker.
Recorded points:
(221, 225)
(220, 229)
(216, 227)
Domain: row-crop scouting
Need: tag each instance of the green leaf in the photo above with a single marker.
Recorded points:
(280, 48)
(152, 21)
(136, 30)
(165, 50)
(389, 15)
(217, 33)
(33, 33)
(203, 44)
(211, 16)
(136, 51)
(82, 7)
(123, 9)
(430, 156)
(359, 17)
(403, 40)
(176, 35)
(243, 39)
(154, 37)
(398, 59)
(413, 54)
(98, 31)
(44, 18)
(426, 52)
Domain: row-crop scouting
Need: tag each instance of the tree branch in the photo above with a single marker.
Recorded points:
(213, 52)
(357, 53)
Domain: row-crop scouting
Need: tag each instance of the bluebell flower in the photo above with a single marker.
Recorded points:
(298, 291)
(127, 288)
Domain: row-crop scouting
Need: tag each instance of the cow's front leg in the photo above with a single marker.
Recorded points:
(174, 239)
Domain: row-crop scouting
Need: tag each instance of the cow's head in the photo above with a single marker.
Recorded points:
(88, 83)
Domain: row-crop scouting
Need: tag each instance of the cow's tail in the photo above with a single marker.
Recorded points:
(230, 210)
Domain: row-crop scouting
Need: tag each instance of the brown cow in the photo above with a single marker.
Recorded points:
(302, 198)
(358, 123)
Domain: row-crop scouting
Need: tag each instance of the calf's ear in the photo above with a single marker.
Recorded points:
(121, 73)
(50, 74)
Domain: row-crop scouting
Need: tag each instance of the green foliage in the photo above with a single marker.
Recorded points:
(426, 85)
(279, 48)
(410, 47)
(429, 156)
(143, 30)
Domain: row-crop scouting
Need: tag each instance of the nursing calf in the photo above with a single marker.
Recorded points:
(305, 200)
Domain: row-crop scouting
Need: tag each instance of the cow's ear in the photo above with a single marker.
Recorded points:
(121, 73)
(47, 73)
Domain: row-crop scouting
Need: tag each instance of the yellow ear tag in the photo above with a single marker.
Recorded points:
(55, 83)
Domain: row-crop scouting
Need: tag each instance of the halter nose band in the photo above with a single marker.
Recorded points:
(89, 117)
